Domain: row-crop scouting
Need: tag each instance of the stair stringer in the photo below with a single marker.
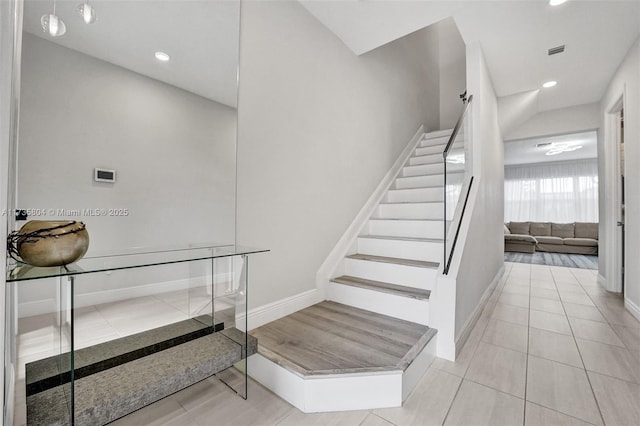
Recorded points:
(347, 243)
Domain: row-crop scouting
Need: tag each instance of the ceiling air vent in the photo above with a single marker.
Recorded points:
(556, 50)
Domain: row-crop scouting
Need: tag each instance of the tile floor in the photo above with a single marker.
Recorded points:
(550, 348)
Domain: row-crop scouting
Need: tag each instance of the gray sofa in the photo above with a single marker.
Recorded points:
(529, 237)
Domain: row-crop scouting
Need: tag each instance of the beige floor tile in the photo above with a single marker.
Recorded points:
(262, 408)
(158, 413)
(479, 405)
(373, 420)
(507, 335)
(514, 300)
(511, 313)
(594, 330)
(619, 401)
(499, 368)
(346, 418)
(545, 284)
(577, 298)
(582, 311)
(429, 402)
(554, 346)
(545, 293)
(536, 415)
(461, 364)
(609, 360)
(618, 316)
(547, 305)
(569, 288)
(561, 388)
(630, 336)
(516, 289)
(549, 322)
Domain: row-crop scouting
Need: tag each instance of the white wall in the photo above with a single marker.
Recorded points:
(560, 121)
(483, 254)
(318, 129)
(174, 152)
(453, 78)
(626, 82)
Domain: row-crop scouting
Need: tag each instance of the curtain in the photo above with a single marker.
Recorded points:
(552, 192)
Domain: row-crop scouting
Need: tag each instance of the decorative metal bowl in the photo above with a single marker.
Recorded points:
(49, 243)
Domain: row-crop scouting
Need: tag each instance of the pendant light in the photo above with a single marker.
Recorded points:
(53, 25)
(87, 12)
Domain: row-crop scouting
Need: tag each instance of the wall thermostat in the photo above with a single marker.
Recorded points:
(104, 175)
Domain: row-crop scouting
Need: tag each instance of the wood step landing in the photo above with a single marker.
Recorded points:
(395, 260)
(398, 290)
(332, 338)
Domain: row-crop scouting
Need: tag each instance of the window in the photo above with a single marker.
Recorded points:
(553, 192)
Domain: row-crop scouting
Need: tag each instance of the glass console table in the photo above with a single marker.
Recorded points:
(125, 330)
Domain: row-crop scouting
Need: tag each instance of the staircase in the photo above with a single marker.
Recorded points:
(368, 345)
(398, 255)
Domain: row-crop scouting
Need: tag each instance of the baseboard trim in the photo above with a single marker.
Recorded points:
(346, 242)
(632, 308)
(475, 315)
(272, 311)
(602, 281)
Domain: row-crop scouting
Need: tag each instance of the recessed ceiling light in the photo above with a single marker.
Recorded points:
(161, 56)
(549, 84)
(556, 2)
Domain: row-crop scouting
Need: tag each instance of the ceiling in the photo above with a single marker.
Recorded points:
(515, 36)
(525, 151)
(200, 36)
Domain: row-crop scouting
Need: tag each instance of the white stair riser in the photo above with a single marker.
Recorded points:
(411, 211)
(409, 276)
(425, 159)
(419, 181)
(442, 140)
(406, 228)
(423, 169)
(408, 309)
(428, 150)
(415, 250)
(414, 195)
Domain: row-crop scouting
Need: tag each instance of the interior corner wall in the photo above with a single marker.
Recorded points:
(626, 81)
(559, 121)
(483, 255)
(319, 127)
(453, 69)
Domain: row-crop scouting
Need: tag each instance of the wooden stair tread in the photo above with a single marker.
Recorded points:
(386, 237)
(395, 260)
(409, 202)
(398, 290)
(408, 220)
(420, 187)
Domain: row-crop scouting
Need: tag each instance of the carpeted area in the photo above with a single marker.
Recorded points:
(554, 259)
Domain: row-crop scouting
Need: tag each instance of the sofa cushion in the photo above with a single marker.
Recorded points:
(506, 230)
(586, 242)
(540, 228)
(521, 238)
(521, 228)
(562, 230)
(587, 230)
(550, 240)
